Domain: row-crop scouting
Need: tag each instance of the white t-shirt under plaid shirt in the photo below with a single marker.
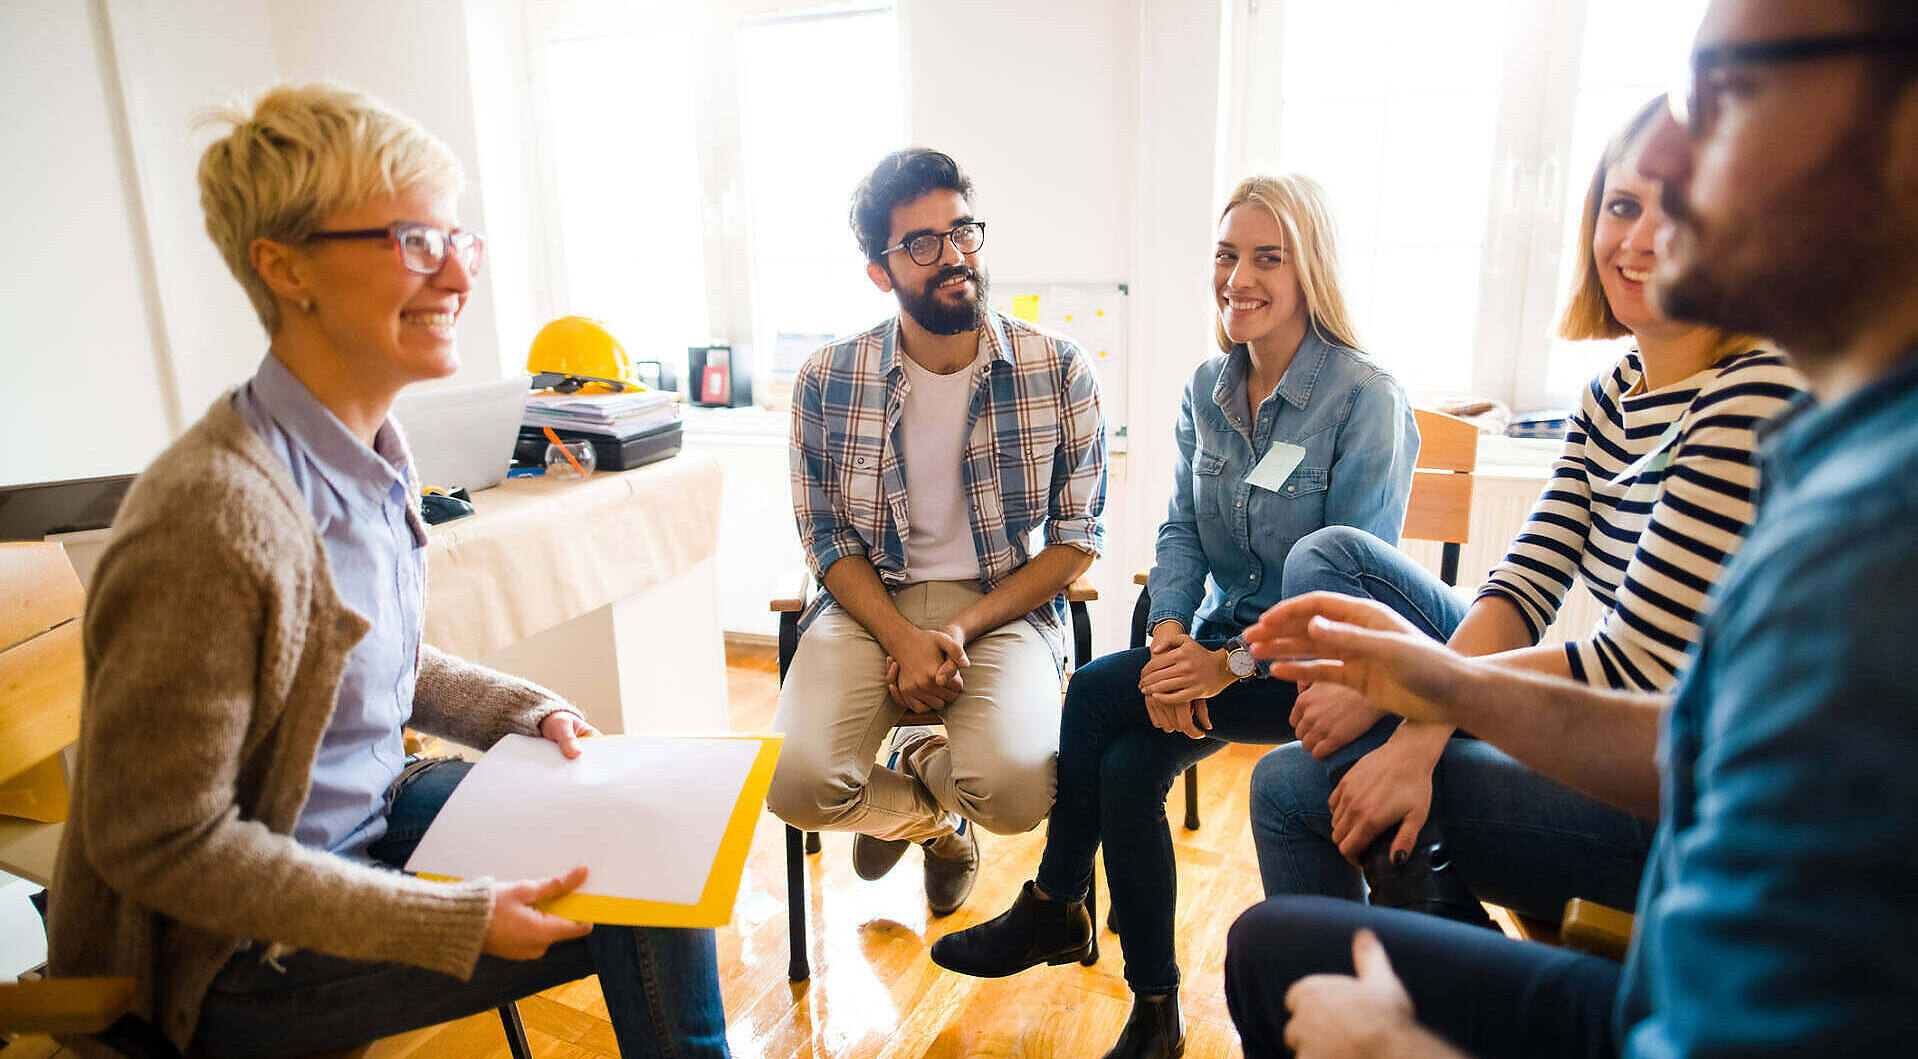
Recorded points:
(1034, 457)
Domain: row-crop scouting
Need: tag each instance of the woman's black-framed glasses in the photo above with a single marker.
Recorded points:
(926, 248)
(421, 248)
(1694, 102)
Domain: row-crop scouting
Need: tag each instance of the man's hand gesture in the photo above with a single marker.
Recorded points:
(1363, 645)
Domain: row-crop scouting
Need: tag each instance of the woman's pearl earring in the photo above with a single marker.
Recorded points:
(306, 305)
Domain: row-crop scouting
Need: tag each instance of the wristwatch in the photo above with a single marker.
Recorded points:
(1239, 660)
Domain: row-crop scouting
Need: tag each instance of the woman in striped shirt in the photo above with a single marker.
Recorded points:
(1647, 502)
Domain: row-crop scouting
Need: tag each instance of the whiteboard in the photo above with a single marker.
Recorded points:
(1093, 315)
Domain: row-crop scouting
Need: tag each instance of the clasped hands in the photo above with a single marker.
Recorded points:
(1179, 679)
(922, 668)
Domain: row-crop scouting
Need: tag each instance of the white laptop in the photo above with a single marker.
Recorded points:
(463, 435)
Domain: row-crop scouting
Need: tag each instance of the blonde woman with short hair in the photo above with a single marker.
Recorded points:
(1287, 429)
(253, 650)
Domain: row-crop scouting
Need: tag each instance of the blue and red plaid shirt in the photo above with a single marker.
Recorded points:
(1035, 455)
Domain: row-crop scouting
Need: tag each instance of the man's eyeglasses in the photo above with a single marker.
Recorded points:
(927, 247)
(422, 248)
(1694, 103)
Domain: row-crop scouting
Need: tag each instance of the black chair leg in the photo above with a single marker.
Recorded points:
(1081, 636)
(515, 1031)
(1192, 798)
(797, 967)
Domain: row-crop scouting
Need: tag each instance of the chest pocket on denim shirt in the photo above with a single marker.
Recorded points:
(1299, 502)
(1212, 488)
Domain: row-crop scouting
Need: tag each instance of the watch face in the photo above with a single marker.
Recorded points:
(1240, 662)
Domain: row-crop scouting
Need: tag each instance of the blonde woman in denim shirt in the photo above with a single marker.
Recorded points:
(1288, 430)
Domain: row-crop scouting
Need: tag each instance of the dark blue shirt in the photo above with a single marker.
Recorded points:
(1776, 916)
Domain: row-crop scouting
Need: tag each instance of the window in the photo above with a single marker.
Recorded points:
(1455, 141)
(1629, 52)
(626, 180)
(817, 110)
(699, 162)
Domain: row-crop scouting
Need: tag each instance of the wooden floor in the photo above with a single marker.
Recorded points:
(874, 993)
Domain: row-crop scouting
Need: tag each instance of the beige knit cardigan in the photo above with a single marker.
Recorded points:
(214, 645)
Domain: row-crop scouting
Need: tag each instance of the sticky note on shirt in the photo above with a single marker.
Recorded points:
(1279, 463)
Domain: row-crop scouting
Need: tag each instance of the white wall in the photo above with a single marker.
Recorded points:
(77, 301)
(112, 289)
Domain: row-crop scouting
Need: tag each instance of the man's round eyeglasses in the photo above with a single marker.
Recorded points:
(925, 248)
(1694, 100)
(421, 248)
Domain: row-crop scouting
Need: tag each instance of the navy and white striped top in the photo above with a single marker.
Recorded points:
(1648, 501)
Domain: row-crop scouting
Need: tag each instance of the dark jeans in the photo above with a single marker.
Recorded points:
(661, 985)
(1114, 772)
(1517, 838)
(1480, 990)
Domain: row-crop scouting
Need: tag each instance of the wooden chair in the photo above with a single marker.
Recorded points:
(1439, 509)
(789, 604)
(41, 673)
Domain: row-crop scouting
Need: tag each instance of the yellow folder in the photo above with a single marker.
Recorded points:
(715, 905)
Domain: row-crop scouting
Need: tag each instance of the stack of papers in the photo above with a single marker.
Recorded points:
(621, 415)
(662, 823)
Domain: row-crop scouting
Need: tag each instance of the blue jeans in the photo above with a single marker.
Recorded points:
(1517, 838)
(661, 985)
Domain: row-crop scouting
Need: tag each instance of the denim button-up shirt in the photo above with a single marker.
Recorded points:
(1223, 545)
(1775, 917)
(363, 502)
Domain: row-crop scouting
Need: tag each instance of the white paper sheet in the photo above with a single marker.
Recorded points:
(1279, 463)
(645, 814)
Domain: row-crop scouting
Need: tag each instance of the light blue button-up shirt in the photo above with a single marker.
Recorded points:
(1222, 548)
(361, 499)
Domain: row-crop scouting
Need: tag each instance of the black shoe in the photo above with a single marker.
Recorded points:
(1033, 931)
(1425, 881)
(1154, 1030)
(952, 865)
(873, 857)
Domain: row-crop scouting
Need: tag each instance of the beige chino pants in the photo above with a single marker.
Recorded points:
(995, 766)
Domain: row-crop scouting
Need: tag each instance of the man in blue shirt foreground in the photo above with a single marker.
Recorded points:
(1773, 919)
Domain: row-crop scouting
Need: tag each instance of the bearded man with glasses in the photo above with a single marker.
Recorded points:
(1774, 915)
(926, 452)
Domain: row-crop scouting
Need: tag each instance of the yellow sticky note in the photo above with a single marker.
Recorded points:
(1026, 307)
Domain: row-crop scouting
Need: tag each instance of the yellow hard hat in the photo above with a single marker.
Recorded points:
(580, 345)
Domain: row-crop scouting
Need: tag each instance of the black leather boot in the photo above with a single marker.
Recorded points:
(1425, 881)
(1033, 931)
(1154, 1030)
